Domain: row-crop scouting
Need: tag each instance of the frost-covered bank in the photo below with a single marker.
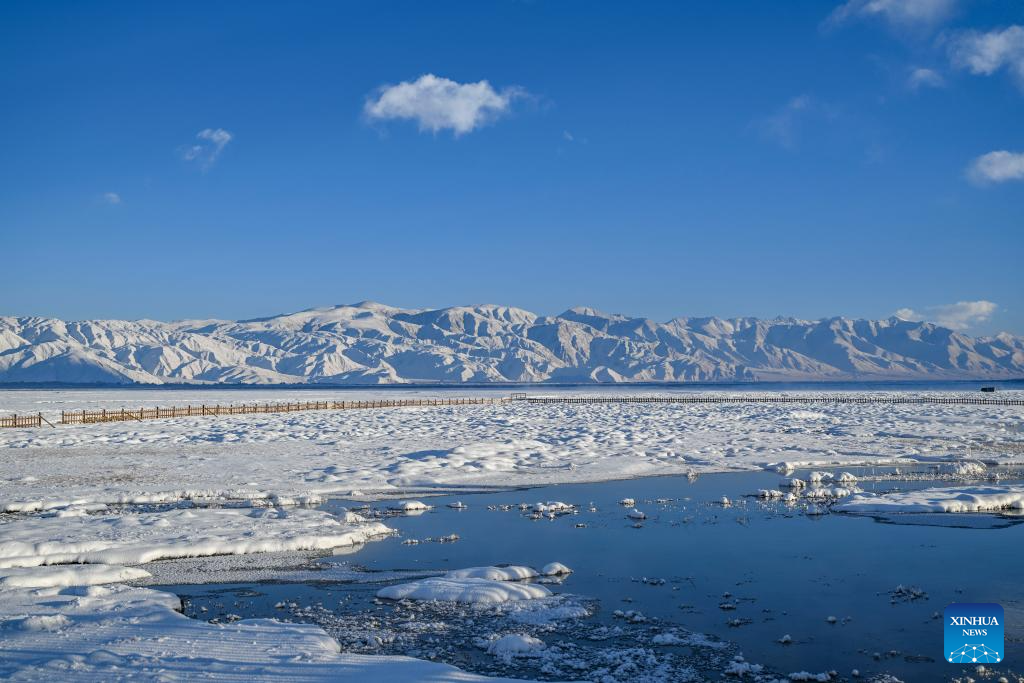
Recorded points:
(113, 632)
(72, 536)
(65, 609)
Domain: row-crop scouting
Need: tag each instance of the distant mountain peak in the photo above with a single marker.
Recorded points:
(587, 311)
(370, 342)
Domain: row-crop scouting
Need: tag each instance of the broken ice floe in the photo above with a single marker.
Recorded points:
(556, 507)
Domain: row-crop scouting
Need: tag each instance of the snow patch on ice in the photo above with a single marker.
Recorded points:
(950, 499)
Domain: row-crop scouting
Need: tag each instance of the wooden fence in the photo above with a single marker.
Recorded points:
(126, 414)
(22, 420)
(939, 400)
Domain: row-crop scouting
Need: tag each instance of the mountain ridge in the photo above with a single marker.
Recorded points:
(373, 343)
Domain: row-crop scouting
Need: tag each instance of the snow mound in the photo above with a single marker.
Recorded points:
(965, 469)
(473, 591)
(59, 576)
(951, 499)
(515, 645)
(807, 415)
(120, 539)
(409, 506)
(555, 569)
(44, 622)
(509, 573)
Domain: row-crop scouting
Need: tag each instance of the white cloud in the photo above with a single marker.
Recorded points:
(212, 142)
(924, 78)
(996, 167)
(959, 316)
(112, 198)
(783, 126)
(903, 13)
(437, 103)
(985, 53)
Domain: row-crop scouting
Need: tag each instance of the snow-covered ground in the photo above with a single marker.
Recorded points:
(64, 491)
(291, 457)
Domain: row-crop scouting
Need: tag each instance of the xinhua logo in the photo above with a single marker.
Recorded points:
(973, 633)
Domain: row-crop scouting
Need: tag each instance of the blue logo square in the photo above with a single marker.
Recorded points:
(973, 633)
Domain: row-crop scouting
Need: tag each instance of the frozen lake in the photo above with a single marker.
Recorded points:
(749, 573)
(286, 516)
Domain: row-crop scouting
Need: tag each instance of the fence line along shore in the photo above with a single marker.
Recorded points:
(834, 398)
(78, 417)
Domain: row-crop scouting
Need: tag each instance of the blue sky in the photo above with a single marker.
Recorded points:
(810, 159)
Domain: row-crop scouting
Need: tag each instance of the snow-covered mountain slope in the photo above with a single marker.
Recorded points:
(370, 343)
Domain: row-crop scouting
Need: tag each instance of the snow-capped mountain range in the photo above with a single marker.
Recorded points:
(370, 343)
